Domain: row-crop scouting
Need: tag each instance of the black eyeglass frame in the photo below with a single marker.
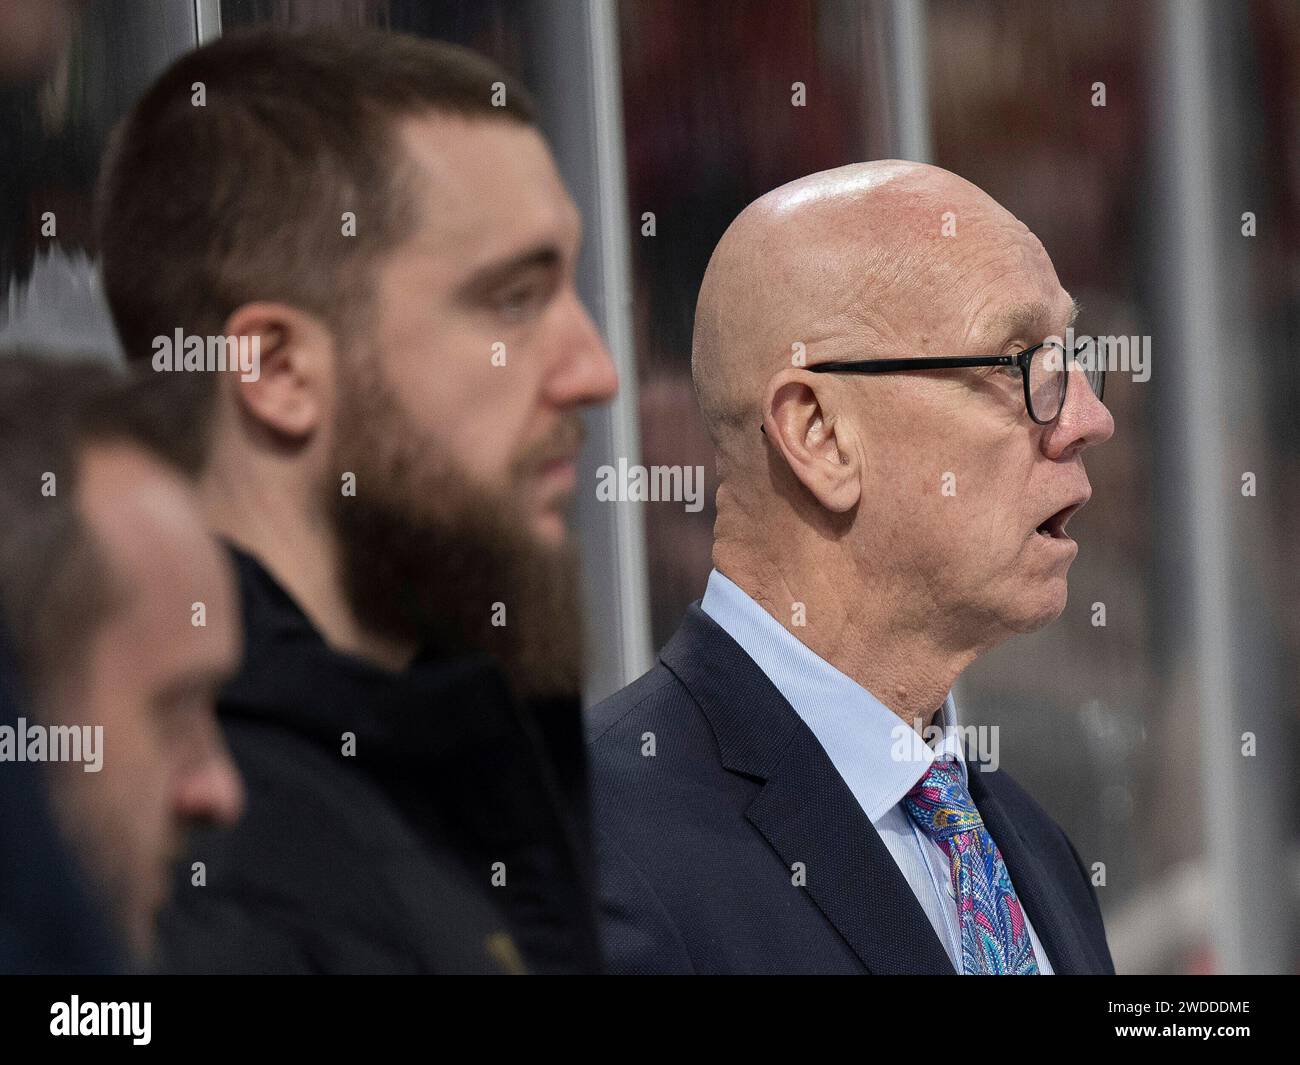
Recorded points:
(956, 362)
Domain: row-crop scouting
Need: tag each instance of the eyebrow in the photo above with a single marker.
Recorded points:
(493, 275)
(1022, 319)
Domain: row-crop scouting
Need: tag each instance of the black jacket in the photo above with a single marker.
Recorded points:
(383, 860)
(696, 843)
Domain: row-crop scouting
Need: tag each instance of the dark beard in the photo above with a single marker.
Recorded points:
(429, 558)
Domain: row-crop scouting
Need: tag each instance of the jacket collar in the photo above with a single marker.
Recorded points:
(804, 810)
(807, 813)
(879, 756)
(1053, 917)
(429, 712)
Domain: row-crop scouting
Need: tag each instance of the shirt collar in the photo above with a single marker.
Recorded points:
(879, 756)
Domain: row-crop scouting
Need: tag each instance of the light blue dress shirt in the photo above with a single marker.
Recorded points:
(879, 757)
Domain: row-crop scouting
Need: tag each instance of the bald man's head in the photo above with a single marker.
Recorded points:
(867, 254)
(929, 485)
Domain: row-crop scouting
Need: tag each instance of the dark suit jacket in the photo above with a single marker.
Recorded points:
(696, 844)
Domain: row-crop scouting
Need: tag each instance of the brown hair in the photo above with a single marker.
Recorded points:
(203, 209)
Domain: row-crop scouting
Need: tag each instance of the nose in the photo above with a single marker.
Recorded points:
(1083, 422)
(584, 371)
(211, 790)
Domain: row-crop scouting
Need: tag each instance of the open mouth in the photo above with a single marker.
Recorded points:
(1054, 527)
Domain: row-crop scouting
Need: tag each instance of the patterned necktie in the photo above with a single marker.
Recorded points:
(994, 939)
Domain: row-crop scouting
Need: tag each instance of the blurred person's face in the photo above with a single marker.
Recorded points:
(150, 678)
(959, 480)
(459, 411)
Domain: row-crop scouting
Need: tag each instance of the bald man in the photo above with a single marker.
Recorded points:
(785, 792)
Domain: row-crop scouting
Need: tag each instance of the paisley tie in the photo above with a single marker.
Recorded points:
(994, 938)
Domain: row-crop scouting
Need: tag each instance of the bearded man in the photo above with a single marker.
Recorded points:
(381, 215)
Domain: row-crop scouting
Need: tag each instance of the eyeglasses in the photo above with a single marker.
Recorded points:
(1043, 369)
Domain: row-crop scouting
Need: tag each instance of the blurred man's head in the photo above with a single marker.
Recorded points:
(382, 214)
(125, 618)
(923, 490)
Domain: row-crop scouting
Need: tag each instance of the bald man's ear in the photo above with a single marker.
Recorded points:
(290, 387)
(801, 423)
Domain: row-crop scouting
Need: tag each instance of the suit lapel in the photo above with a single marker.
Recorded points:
(805, 810)
(808, 815)
(1048, 909)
